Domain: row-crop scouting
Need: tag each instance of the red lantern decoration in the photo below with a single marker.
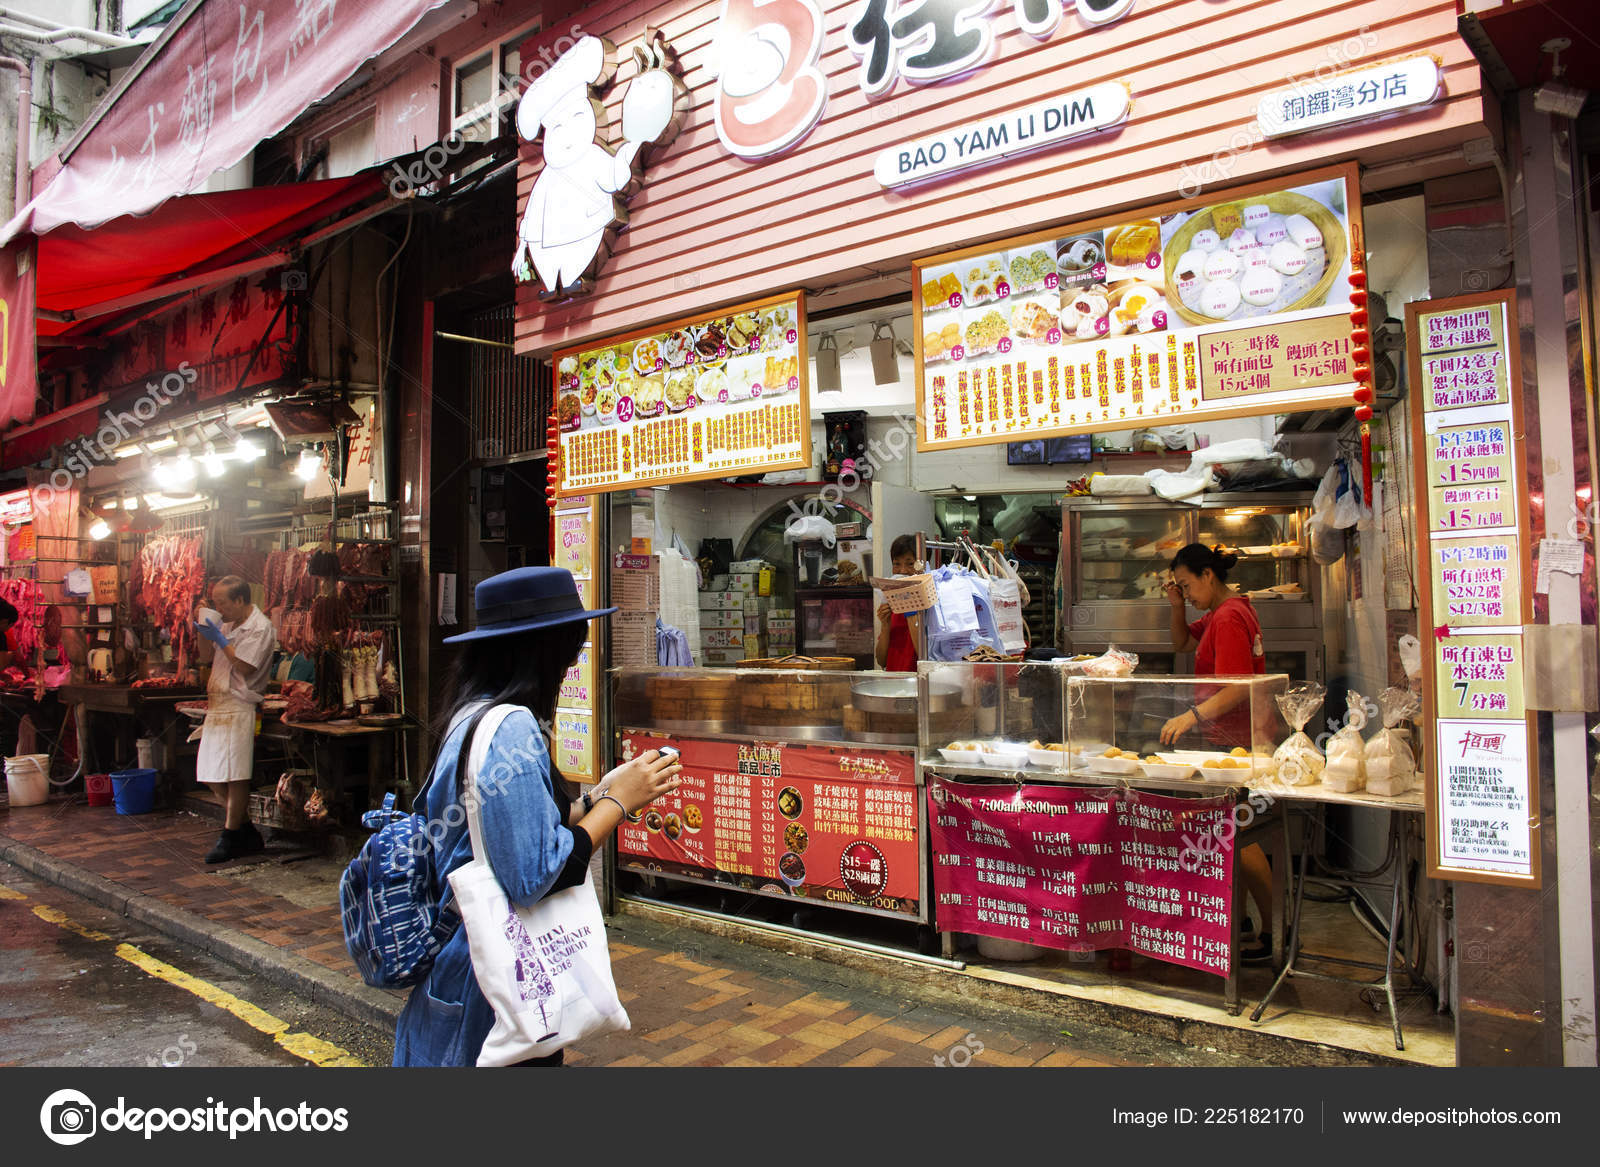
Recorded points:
(1363, 395)
(1358, 278)
(1363, 413)
(1361, 373)
(1358, 317)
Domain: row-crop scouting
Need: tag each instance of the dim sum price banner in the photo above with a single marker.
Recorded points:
(1085, 869)
(708, 398)
(813, 821)
(1469, 466)
(1227, 307)
(577, 736)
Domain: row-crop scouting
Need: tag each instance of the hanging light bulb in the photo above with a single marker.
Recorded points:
(309, 466)
(99, 529)
(247, 450)
(212, 461)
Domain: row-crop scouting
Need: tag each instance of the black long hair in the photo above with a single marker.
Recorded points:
(524, 668)
(1197, 558)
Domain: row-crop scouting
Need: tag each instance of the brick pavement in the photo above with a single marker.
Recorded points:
(747, 1008)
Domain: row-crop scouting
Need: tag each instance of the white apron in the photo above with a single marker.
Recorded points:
(227, 740)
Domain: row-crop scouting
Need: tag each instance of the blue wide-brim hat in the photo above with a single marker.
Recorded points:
(526, 599)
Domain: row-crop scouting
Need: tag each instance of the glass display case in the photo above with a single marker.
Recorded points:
(1054, 721)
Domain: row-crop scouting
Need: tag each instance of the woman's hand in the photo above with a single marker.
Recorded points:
(884, 613)
(1175, 595)
(1178, 726)
(638, 783)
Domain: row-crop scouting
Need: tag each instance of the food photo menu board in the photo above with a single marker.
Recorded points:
(1481, 801)
(577, 735)
(836, 824)
(1232, 304)
(717, 396)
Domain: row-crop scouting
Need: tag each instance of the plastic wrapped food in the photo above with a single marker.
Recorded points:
(1346, 771)
(1112, 663)
(1298, 761)
(1391, 767)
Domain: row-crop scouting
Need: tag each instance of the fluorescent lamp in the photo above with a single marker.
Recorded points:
(248, 451)
(212, 461)
(309, 466)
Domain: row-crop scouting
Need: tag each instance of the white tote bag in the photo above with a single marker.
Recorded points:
(1005, 602)
(545, 969)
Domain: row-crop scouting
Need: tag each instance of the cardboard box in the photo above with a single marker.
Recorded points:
(722, 638)
(719, 619)
(780, 628)
(742, 583)
(755, 647)
(748, 566)
(755, 603)
(780, 614)
(752, 625)
(721, 602)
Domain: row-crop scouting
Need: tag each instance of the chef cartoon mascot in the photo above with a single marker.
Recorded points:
(575, 203)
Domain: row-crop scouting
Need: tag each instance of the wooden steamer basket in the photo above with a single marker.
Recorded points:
(693, 699)
(803, 696)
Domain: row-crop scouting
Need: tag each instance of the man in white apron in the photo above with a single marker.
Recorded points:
(240, 669)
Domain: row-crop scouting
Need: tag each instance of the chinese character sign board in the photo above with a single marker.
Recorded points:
(576, 543)
(1224, 307)
(1351, 95)
(1483, 815)
(707, 398)
(831, 823)
(1085, 869)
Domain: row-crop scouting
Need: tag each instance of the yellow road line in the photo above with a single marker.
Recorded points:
(301, 1045)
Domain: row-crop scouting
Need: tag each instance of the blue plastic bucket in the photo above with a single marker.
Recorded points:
(134, 791)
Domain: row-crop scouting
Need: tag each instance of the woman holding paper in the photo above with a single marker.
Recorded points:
(897, 636)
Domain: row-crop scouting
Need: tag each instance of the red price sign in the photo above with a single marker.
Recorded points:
(1005, 344)
(625, 409)
(1098, 271)
(1102, 326)
(755, 389)
(1053, 336)
(794, 382)
(1002, 290)
(1159, 319)
(660, 364)
(1052, 281)
(755, 344)
(958, 352)
(956, 300)
(691, 358)
(722, 396)
(722, 352)
(792, 336)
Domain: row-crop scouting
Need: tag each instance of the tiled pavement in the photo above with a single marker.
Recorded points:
(694, 999)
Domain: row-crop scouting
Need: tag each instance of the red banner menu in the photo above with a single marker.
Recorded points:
(830, 822)
(1085, 869)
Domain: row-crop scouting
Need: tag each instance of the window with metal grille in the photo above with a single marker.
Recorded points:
(508, 396)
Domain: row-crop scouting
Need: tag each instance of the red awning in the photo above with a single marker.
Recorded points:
(84, 274)
(223, 77)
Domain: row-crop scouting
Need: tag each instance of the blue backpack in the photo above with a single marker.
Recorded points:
(393, 925)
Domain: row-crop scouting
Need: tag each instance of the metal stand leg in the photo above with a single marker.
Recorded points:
(1394, 865)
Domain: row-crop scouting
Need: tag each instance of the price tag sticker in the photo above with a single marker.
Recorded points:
(625, 409)
(794, 383)
(1052, 281)
(958, 352)
(1005, 344)
(956, 300)
(1052, 336)
(1002, 290)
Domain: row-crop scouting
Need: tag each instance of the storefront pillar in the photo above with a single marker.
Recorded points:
(1526, 958)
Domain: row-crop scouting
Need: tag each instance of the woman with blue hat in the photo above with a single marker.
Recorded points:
(539, 834)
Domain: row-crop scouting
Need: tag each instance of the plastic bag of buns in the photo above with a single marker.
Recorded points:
(1346, 771)
(1391, 767)
(1297, 760)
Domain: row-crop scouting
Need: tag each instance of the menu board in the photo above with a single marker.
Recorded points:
(707, 398)
(1226, 306)
(1085, 869)
(1482, 813)
(831, 823)
(576, 736)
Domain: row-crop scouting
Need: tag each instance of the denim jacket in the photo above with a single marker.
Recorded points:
(533, 852)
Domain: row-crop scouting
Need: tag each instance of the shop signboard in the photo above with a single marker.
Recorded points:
(719, 395)
(837, 824)
(1351, 95)
(577, 733)
(1084, 869)
(1482, 813)
(1231, 305)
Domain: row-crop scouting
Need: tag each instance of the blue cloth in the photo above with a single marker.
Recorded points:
(446, 1018)
(672, 646)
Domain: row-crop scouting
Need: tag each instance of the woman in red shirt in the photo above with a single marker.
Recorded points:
(1226, 642)
(896, 645)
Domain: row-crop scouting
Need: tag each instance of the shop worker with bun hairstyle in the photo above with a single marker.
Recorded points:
(1226, 642)
(539, 832)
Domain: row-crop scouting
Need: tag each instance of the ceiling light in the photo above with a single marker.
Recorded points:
(174, 473)
(828, 380)
(970, 497)
(885, 364)
(212, 461)
(247, 450)
(1561, 100)
(99, 529)
(309, 466)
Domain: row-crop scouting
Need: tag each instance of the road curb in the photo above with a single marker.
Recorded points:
(323, 986)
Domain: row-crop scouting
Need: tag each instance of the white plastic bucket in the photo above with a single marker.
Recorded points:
(148, 748)
(28, 779)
